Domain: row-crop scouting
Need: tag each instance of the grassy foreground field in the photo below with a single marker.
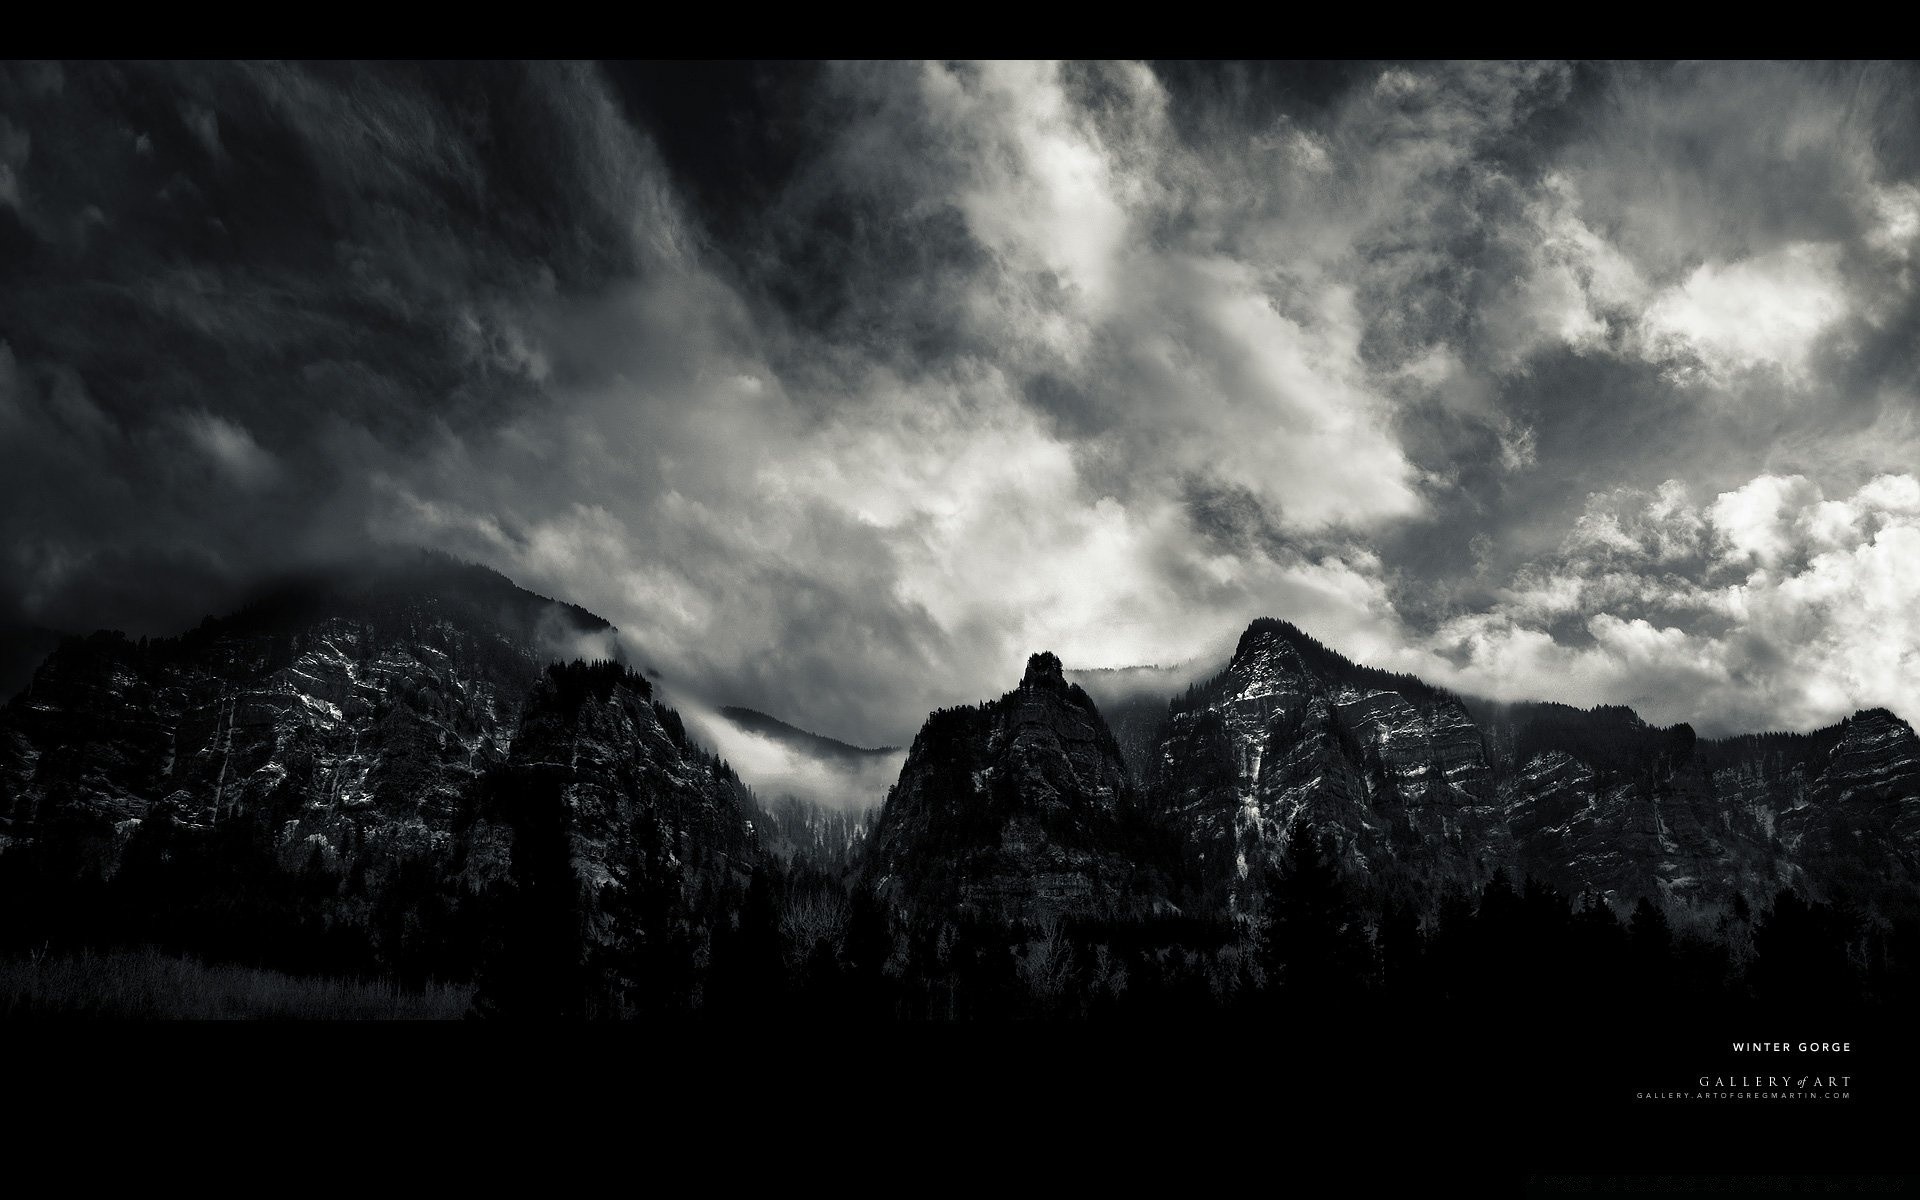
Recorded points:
(151, 985)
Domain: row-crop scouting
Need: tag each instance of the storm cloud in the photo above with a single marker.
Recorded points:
(840, 388)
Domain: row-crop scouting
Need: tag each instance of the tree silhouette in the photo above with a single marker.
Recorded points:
(1316, 945)
(749, 976)
(537, 971)
(1800, 957)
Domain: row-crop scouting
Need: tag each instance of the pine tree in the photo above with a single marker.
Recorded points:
(1800, 957)
(749, 976)
(1648, 931)
(869, 945)
(536, 972)
(1316, 947)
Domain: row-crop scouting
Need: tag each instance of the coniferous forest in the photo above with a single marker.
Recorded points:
(806, 939)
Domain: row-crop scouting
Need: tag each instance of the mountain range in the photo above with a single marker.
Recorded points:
(419, 768)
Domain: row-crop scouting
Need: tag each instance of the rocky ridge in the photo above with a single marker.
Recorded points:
(1412, 782)
(1019, 809)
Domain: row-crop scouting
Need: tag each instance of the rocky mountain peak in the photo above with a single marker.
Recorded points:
(1263, 640)
(1013, 808)
(1407, 777)
(1044, 670)
(1881, 717)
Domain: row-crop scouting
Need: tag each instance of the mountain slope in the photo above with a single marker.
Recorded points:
(381, 692)
(372, 750)
(795, 738)
(1416, 784)
(1019, 809)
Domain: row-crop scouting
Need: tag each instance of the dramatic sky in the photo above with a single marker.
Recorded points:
(842, 388)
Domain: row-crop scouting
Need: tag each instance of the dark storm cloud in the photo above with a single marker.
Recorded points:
(843, 387)
(233, 279)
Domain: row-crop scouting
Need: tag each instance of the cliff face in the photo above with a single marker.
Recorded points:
(1840, 804)
(1018, 809)
(1413, 782)
(624, 777)
(1394, 770)
(355, 713)
(381, 731)
(1024, 808)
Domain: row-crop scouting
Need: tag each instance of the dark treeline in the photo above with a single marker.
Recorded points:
(1522, 954)
(1608, 738)
(793, 939)
(1802, 749)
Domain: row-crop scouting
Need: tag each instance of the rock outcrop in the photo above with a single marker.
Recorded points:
(1020, 809)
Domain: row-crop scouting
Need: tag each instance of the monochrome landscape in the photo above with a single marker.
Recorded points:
(1343, 554)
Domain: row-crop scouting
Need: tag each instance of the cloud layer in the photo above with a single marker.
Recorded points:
(841, 388)
(1769, 606)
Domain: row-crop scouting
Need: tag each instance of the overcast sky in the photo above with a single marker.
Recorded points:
(841, 389)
